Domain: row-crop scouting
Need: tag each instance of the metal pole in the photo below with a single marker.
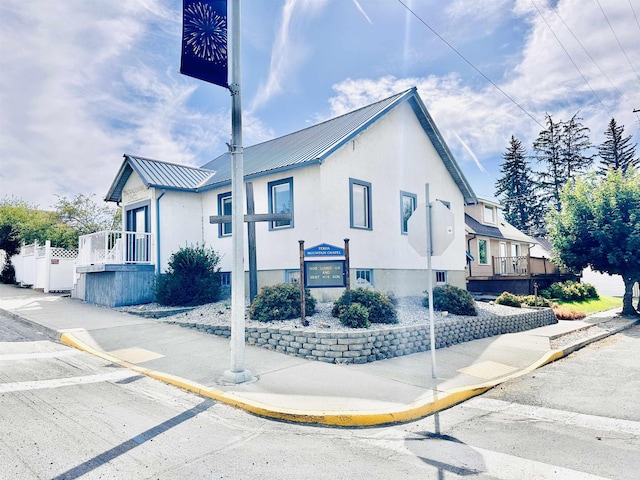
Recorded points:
(237, 373)
(432, 335)
(303, 303)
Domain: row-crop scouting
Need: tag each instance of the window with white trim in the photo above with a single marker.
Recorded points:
(489, 214)
(441, 277)
(483, 252)
(292, 276)
(225, 279)
(360, 204)
(364, 277)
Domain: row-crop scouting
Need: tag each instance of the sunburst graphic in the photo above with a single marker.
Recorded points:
(205, 33)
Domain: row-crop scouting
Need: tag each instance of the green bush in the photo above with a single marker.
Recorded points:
(355, 316)
(453, 300)
(571, 291)
(192, 278)
(379, 306)
(280, 302)
(509, 299)
(533, 301)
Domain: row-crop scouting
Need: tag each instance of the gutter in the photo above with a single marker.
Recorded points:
(158, 263)
(468, 250)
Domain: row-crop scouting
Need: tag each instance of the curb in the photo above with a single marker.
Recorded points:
(410, 412)
(47, 331)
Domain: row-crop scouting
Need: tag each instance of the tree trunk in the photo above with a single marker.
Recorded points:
(627, 300)
(638, 306)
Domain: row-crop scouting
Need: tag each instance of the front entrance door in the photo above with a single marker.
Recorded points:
(137, 240)
(503, 258)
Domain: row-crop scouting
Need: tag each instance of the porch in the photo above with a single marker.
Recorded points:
(114, 268)
(520, 275)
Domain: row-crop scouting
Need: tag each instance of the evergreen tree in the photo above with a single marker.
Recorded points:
(562, 146)
(616, 151)
(574, 145)
(516, 190)
(548, 151)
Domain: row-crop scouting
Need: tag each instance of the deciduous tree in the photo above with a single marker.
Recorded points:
(85, 215)
(599, 225)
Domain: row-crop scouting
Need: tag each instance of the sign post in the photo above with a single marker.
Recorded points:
(430, 232)
(328, 267)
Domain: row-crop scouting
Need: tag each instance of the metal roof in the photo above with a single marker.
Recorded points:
(155, 173)
(304, 147)
(315, 143)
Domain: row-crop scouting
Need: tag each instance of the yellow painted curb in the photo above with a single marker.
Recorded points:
(413, 411)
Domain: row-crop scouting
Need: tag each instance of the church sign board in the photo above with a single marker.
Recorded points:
(325, 274)
(324, 267)
(324, 250)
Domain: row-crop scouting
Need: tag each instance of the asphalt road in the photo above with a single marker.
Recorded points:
(65, 414)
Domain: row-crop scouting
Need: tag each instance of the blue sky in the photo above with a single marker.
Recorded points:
(83, 82)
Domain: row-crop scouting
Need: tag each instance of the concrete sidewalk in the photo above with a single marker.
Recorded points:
(293, 388)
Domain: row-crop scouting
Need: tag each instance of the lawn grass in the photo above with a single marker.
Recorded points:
(588, 307)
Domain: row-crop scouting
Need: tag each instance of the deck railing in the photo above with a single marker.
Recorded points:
(511, 266)
(114, 247)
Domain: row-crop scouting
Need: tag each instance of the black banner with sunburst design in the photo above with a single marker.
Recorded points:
(204, 41)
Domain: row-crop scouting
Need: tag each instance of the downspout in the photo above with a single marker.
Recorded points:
(158, 263)
(469, 250)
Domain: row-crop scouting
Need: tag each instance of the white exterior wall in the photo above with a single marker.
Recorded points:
(276, 249)
(181, 220)
(393, 155)
(181, 217)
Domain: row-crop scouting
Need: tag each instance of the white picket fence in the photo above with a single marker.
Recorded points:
(45, 267)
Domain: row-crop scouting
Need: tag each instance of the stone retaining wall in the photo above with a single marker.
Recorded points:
(368, 345)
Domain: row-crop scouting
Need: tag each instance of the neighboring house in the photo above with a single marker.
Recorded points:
(357, 176)
(502, 258)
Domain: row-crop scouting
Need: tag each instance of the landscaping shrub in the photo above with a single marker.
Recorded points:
(355, 316)
(571, 291)
(509, 299)
(379, 306)
(192, 278)
(280, 302)
(564, 313)
(533, 301)
(452, 299)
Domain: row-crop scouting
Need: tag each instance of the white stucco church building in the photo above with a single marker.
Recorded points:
(357, 176)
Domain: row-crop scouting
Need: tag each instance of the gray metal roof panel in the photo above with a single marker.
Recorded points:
(155, 173)
(170, 175)
(311, 144)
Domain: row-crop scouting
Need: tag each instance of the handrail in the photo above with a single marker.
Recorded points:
(511, 266)
(114, 247)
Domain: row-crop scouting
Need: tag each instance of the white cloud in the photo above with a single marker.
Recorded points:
(81, 83)
(477, 122)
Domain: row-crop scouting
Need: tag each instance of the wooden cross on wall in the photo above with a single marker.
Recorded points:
(250, 219)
